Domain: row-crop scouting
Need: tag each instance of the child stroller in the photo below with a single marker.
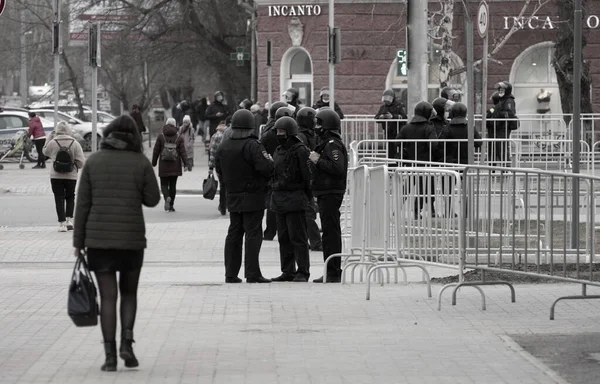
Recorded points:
(19, 145)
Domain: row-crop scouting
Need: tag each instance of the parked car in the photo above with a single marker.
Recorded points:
(82, 128)
(103, 117)
(11, 122)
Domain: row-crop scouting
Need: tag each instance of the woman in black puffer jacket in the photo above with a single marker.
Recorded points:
(115, 183)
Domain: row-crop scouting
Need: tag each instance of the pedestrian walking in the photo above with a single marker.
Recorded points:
(67, 159)
(115, 183)
(36, 132)
(203, 122)
(136, 115)
(215, 113)
(245, 167)
(306, 118)
(329, 186)
(290, 201)
(186, 132)
(170, 155)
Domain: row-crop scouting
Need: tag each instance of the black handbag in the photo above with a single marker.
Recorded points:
(82, 306)
(209, 187)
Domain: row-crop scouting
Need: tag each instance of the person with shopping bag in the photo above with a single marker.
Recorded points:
(109, 226)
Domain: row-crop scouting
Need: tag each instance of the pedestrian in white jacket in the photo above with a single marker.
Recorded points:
(67, 159)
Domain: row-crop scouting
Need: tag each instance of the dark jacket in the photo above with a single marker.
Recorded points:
(457, 152)
(139, 121)
(419, 128)
(245, 168)
(291, 178)
(440, 126)
(269, 137)
(308, 137)
(505, 109)
(321, 104)
(332, 168)
(398, 111)
(211, 114)
(169, 168)
(201, 110)
(115, 182)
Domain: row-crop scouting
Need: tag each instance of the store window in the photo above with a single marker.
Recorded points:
(296, 72)
(400, 83)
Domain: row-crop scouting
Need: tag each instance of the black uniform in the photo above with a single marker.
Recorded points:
(290, 200)
(329, 187)
(309, 139)
(246, 168)
(391, 128)
(269, 140)
(504, 109)
(320, 104)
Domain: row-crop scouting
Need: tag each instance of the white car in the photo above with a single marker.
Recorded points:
(13, 122)
(84, 129)
(104, 118)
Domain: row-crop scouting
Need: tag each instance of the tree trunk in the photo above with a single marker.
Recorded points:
(445, 32)
(563, 63)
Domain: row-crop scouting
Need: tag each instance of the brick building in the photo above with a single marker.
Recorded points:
(372, 32)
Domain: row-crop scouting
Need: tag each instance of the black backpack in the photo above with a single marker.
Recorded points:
(169, 151)
(64, 160)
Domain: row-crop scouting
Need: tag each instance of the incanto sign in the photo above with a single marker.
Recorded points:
(294, 10)
(545, 22)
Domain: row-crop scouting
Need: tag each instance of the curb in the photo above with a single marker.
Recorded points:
(189, 191)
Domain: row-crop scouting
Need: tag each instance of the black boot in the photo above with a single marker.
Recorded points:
(126, 349)
(110, 350)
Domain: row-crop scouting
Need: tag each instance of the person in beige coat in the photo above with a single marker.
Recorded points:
(63, 176)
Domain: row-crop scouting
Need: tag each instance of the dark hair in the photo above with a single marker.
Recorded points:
(31, 114)
(125, 129)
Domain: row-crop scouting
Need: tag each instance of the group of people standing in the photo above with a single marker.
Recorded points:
(299, 157)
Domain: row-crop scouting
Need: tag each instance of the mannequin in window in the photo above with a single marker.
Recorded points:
(543, 99)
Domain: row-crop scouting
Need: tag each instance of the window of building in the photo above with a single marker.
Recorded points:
(296, 72)
(536, 66)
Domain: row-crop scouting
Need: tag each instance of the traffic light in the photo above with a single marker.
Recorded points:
(402, 61)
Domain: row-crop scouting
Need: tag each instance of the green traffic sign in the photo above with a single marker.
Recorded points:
(239, 56)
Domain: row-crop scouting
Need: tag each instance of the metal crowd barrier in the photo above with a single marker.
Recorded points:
(490, 219)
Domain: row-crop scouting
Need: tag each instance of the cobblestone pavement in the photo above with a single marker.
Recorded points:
(191, 328)
(37, 181)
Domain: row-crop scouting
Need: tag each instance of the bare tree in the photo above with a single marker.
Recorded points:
(563, 62)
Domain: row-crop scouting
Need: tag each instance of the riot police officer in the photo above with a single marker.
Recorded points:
(292, 98)
(246, 168)
(306, 118)
(289, 200)
(269, 140)
(329, 185)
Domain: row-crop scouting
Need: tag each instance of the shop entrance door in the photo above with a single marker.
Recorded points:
(305, 91)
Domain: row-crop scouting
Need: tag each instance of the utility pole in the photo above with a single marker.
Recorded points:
(23, 87)
(418, 57)
(57, 49)
(269, 72)
(577, 63)
(251, 10)
(95, 61)
(331, 40)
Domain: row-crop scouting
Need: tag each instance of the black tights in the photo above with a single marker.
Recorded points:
(128, 284)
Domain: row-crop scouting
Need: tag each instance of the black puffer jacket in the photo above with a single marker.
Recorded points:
(458, 152)
(292, 178)
(331, 170)
(419, 128)
(115, 183)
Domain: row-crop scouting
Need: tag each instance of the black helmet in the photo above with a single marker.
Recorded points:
(306, 117)
(327, 120)
(458, 110)
(389, 95)
(243, 119)
(293, 97)
(439, 105)
(284, 111)
(288, 124)
(275, 107)
(424, 109)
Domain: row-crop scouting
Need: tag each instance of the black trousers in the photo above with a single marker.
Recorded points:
(314, 235)
(329, 211)
(271, 229)
(64, 197)
(168, 186)
(222, 196)
(250, 225)
(39, 145)
(293, 243)
(499, 151)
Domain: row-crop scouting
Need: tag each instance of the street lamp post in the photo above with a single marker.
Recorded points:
(577, 63)
(23, 88)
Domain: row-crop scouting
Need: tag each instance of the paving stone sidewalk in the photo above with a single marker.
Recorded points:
(192, 328)
(37, 181)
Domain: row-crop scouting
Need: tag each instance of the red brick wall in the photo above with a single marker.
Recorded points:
(371, 34)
